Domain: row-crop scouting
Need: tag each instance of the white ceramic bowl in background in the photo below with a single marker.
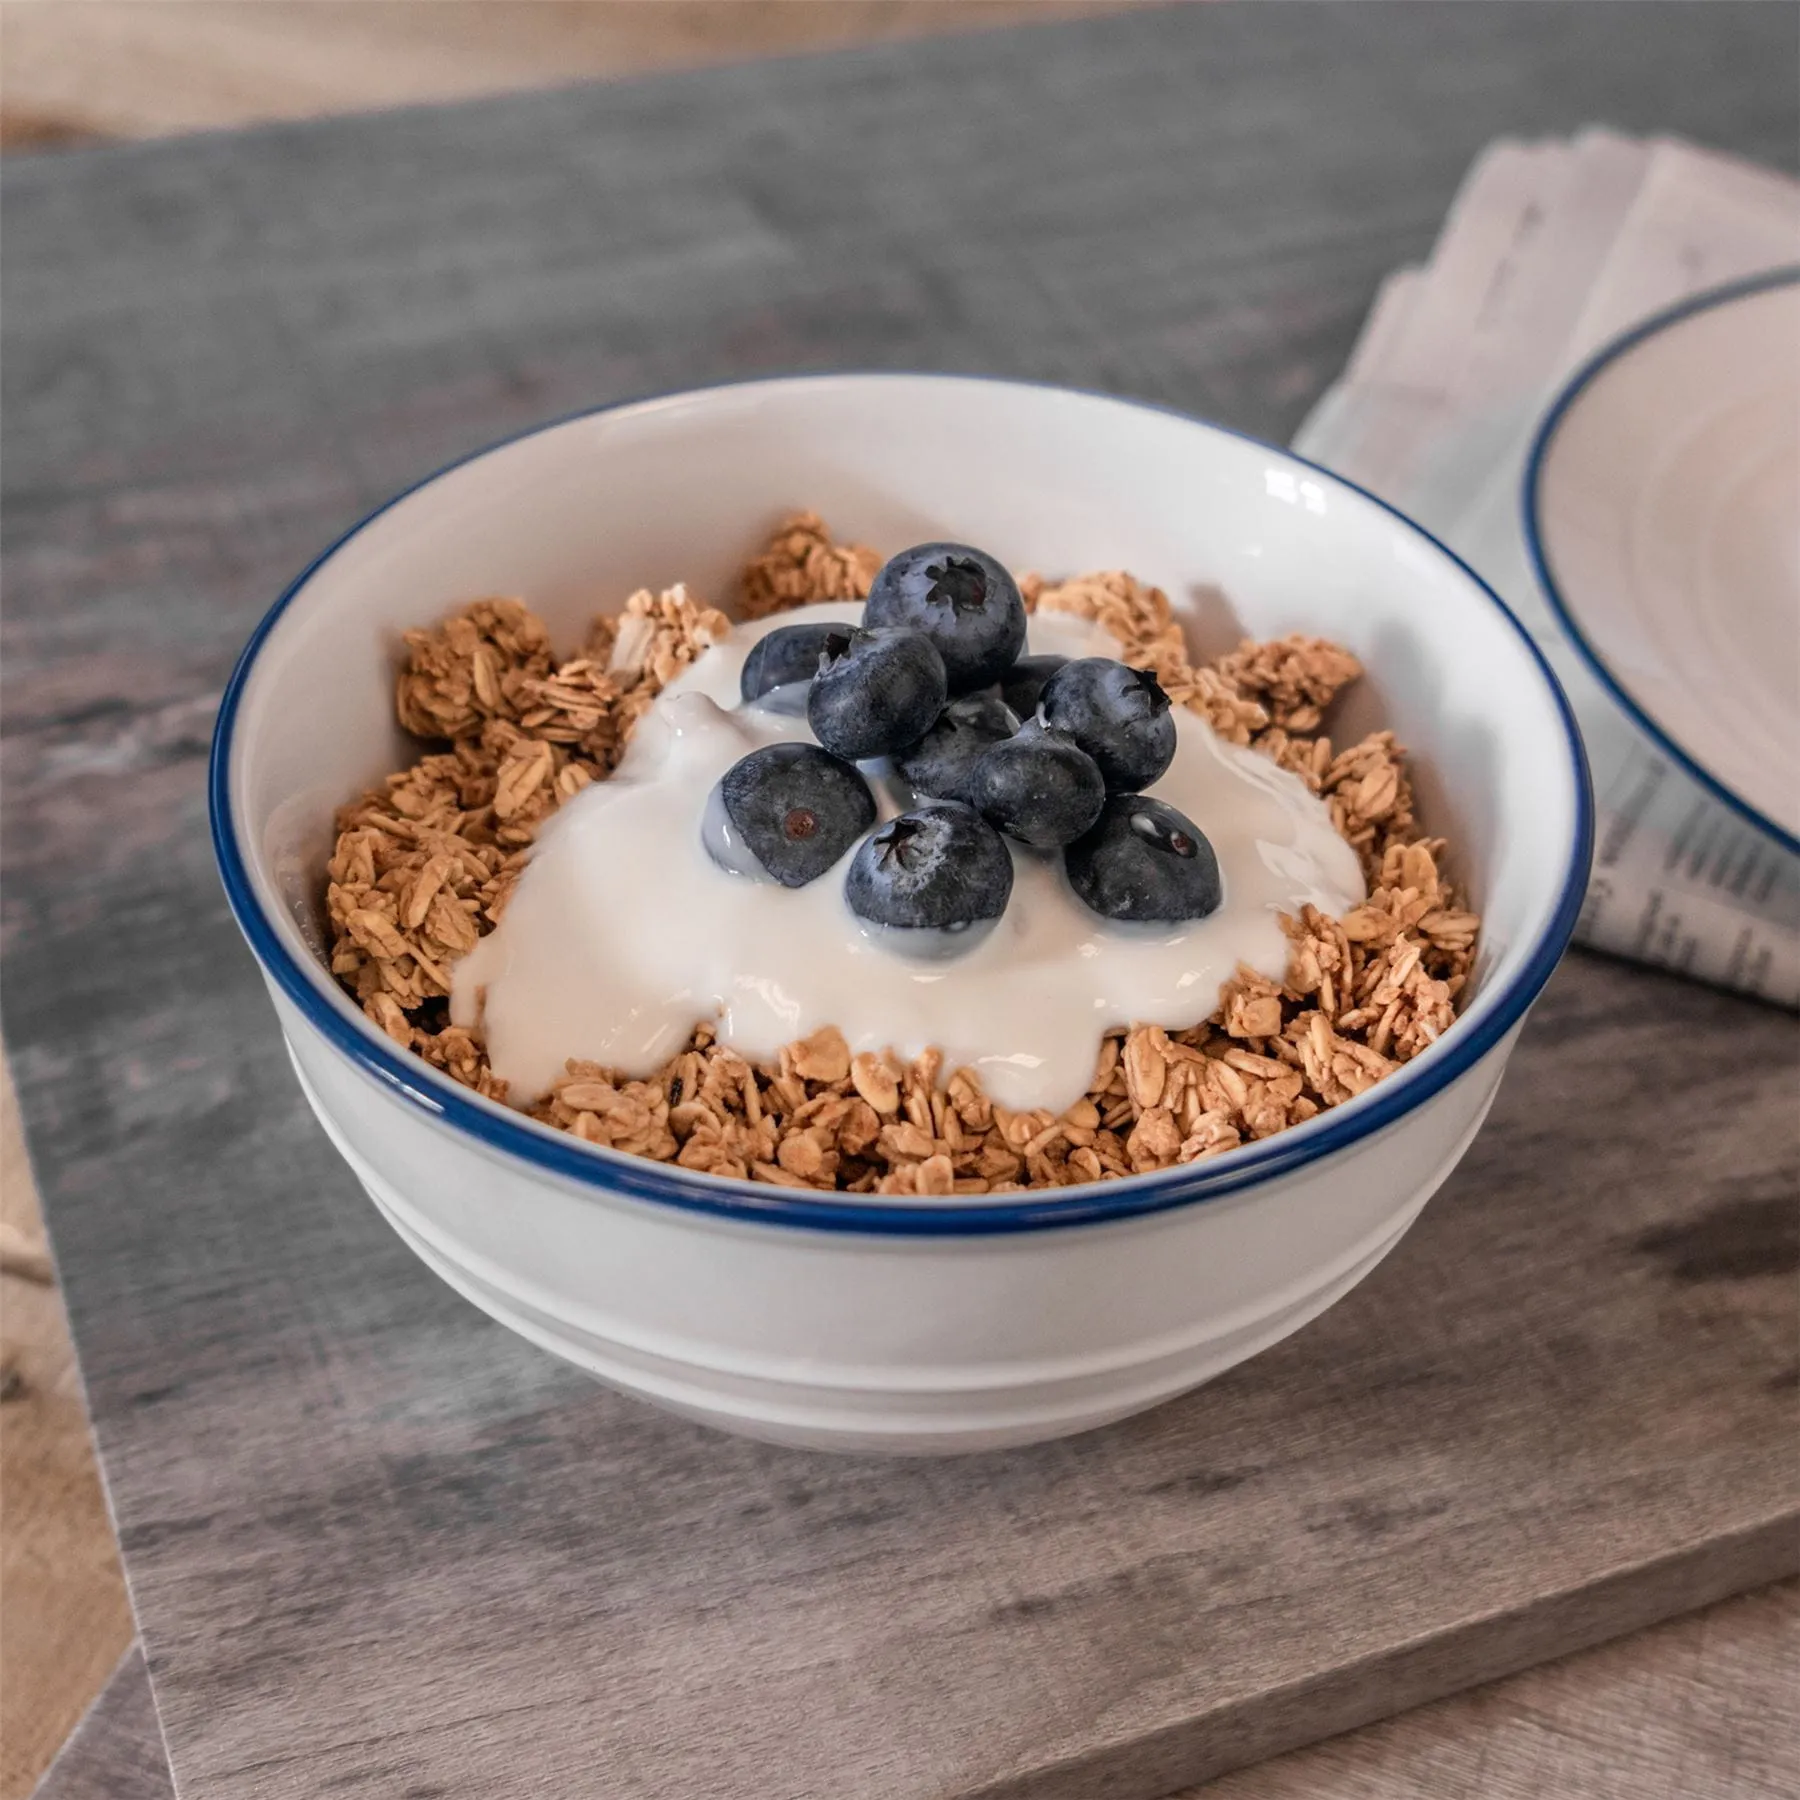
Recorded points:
(1662, 508)
(899, 1325)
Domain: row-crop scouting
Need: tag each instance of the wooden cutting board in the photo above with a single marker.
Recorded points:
(379, 1547)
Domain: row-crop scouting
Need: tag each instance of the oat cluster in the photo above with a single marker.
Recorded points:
(423, 867)
(801, 565)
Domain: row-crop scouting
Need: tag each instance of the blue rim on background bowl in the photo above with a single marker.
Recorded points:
(497, 1129)
(1531, 501)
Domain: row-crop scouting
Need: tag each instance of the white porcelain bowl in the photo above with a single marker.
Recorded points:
(923, 1326)
(1662, 514)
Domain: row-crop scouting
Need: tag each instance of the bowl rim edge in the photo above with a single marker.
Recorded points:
(1531, 498)
(497, 1130)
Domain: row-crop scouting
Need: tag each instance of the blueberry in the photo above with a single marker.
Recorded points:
(876, 692)
(939, 869)
(963, 600)
(787, 658)
(1145, 861)
(938, 764)
(1118, 715)
(1039, 787)
(786, 812)
(1023, 684)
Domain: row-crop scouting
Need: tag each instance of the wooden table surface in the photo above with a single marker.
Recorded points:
(64, 1618)
(220, 350)
(145, 68)
(1703, 1707)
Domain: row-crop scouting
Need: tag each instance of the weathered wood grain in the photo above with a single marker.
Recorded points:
(1705, 1707)
(379, 1547)
(143, 68)
(64, 1619)
(116, 1752)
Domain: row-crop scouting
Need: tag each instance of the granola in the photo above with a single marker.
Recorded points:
(423, 867)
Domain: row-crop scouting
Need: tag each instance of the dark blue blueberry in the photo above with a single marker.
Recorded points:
(1120, 716)
(964, 601)
(1039, 787)
(1023, 684)
(1145, 861)
(938, 764)
(939, 871)
(787, 658)
(786, 812)
(876, 692)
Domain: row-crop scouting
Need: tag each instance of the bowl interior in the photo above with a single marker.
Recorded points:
(1241, 537)
(1667, 504)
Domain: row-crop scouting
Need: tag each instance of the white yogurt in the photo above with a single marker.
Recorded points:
(623, 933)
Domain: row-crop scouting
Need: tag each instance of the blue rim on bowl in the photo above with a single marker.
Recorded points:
(498, 1130)
(1531, 499)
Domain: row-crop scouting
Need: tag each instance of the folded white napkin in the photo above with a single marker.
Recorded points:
(1552, 250)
